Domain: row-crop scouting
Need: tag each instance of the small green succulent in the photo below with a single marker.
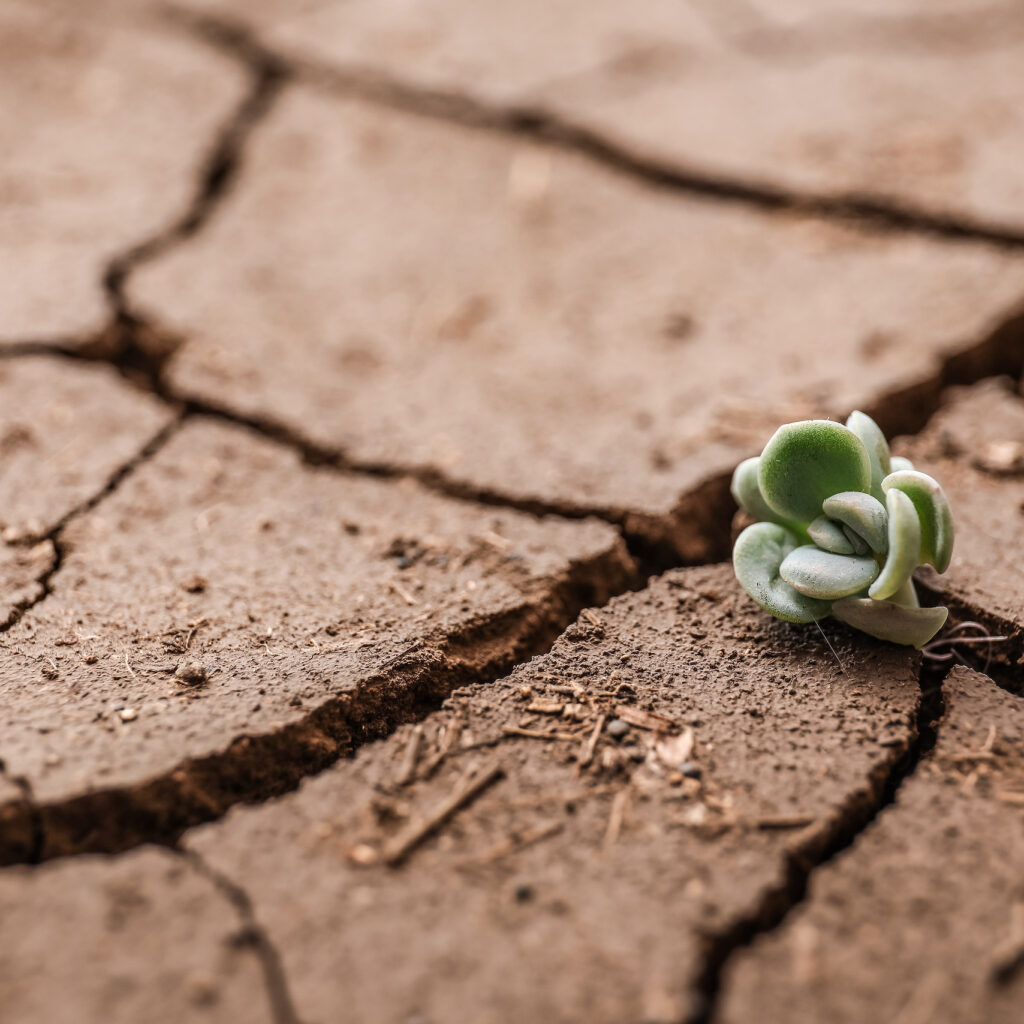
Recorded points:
(842, 527)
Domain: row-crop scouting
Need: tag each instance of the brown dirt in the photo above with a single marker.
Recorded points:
(230, 620)
(923, 918)
(145, 937)
(107, 118)
(482, 277)
(975, 447)
(399, 294)
(902, 103)
(23, 572)
(66, 430)
(569, 891)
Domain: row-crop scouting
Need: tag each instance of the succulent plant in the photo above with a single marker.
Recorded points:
(842, 527)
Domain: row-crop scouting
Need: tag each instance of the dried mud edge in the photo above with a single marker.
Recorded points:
(254, 768)
(54, 535)
(541, 125)
(818, 848)
(1005, 666)
(694, 531)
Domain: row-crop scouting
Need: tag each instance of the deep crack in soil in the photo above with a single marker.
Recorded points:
(254, 768)
(204, 789)
(821, 847)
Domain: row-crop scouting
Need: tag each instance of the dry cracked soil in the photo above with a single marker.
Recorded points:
(371, 376)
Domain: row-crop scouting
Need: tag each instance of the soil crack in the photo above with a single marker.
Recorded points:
(542, 126)
(252, 934)
(255, 768)
(54, 536)
(821, 847)
(696, 530)
(220, 168)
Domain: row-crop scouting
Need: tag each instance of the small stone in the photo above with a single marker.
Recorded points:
(690, 770)
(523, 893)
(363, 854)
(128, 714)
(1001, 457)
(195, 584)
(617, 728)
(192, 672)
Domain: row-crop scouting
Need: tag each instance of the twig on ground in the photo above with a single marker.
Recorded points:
(467, 789)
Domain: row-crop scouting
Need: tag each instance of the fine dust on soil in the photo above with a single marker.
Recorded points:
(500, 372)
(229, 620)
(922, 918)
(559, 843)
(907, 108)
(143, 937)
(66, 428)
(105, 130)
(974, 446)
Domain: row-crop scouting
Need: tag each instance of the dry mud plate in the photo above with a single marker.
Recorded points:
(371, 379)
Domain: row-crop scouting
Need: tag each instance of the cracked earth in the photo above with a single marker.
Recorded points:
(371, 376)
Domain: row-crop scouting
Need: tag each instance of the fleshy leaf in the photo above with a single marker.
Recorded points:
(805, 463)
(747, 493)
(759, 551)
(871, 436)
(861, 513)
(932, 510)
(860, 545)
(888, 620)
(829, 536)
(824, 575)
(899, 463)
(904, 546)
(906, 595)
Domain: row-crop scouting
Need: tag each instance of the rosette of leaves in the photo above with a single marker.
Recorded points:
(842, 525)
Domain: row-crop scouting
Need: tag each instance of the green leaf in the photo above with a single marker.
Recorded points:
(760, 550)
(906, 595)
(898, 463)
(827, 576)
(746, 492)
(932, 510)
(888, 620)
(862, 514)
(805, 463)
(904, 546)
(829, 536)
(860, 545)
(871, 436)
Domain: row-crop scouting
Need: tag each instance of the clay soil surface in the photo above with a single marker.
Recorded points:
(371, 377)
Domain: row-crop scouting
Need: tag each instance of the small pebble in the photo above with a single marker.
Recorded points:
(362, 854)
(128, 714)
(191, 672)
(691, 769)
(617, 728)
